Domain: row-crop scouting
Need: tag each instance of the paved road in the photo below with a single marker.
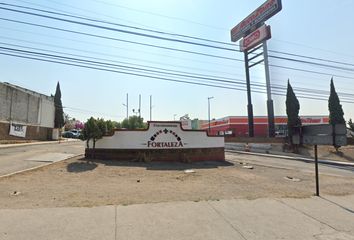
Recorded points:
(23, 157)
(266, 150)
(289, 164)
(312, 218)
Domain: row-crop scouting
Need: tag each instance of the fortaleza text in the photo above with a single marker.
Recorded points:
(164, 144)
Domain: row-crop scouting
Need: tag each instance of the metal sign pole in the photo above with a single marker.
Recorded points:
(270, 108)
(316, 170)
(249, 106)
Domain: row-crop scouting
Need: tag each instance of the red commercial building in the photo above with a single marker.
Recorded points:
(238, 126)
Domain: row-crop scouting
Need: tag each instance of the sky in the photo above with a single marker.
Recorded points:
(320, 30)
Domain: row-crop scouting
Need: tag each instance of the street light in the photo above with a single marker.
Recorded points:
(209, 111)
(174, 117)
(127, 106)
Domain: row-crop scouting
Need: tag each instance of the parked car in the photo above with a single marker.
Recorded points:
(74, 133)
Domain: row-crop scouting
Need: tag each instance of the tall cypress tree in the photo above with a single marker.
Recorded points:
(335, 108)
(336, 114)
(59, 114)
(292, 110)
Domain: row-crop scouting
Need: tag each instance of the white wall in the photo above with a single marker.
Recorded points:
(142, 139)
(25, 106)
(47, 113)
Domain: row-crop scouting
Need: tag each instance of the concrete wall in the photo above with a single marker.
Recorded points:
(162, 141)
(32, 133)
(159, 135)
(25, 107)
(47, 113)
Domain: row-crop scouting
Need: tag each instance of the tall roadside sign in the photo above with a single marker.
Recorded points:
(255, 19)
(254, 32)
(255, 38)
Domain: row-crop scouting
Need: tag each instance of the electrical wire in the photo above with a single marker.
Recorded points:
(147, 68)
(166, 48)
(172, 34)
(144, 75)
(307, 62)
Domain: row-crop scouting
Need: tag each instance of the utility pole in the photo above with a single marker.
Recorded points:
(270, 107)
(139, 105)
(249, 99)
(127, 107)
(209, 111)
(138, 112)
(150, 107)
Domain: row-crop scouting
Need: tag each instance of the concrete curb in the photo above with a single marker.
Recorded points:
(39, 166)
(323, 161)
(4, 146)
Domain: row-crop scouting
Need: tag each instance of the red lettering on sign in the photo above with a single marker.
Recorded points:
(251, 38)
(152, 144)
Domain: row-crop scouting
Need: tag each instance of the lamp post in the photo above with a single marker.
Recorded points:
(174, 117)
(150, 107)
(209, 111)
(127, 107)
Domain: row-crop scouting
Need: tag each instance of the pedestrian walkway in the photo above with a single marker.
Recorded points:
(30, 156)
(312, 218)
(11, 145)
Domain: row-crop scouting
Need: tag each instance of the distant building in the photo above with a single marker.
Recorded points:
(238, 126)
(25, 114)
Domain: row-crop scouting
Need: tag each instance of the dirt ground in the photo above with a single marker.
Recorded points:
(78, 183)
(345, 154)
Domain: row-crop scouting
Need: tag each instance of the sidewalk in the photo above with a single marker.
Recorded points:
(312, 218)
(16, 159)
(3, 146)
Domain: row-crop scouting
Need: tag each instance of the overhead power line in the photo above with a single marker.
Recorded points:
(312, 63)
(107, 67)
(125, 25)
(113, 29)
(161, 47)
(120, 40)
(158, 32)
(141, 67)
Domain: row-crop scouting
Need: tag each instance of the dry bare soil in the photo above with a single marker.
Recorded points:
(345, 154)
(81, 183)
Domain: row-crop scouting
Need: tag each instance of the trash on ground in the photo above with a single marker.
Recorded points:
(189, 171)
(15, 193)
(292, 179)
(248, 166)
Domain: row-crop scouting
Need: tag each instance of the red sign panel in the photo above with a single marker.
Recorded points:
(261, 14)
(255, 38)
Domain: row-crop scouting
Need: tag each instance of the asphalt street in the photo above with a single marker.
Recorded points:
(290, 164)
(22, 157)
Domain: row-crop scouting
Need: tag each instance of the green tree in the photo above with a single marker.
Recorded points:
(336, 114)
(112, 125)
(102, 125)
(351, 124)
(59, 113)
(292, 111)
(134, 122)
(93, 131)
